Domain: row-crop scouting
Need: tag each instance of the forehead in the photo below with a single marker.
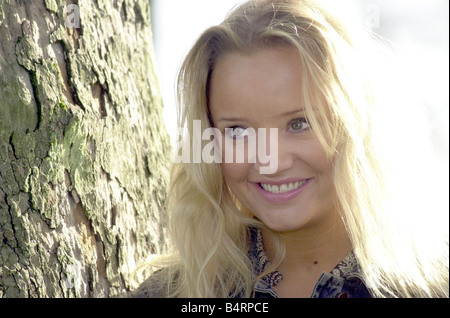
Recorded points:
(265, 80)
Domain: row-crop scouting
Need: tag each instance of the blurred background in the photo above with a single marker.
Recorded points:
(418, 30)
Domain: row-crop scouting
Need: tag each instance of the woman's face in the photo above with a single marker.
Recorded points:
(262, 90)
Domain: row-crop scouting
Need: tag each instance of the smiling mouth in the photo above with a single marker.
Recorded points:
(282, 188)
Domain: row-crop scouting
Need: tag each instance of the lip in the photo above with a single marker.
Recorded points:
(281, 197)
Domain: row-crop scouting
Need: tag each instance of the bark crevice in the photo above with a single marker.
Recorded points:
(81, 190)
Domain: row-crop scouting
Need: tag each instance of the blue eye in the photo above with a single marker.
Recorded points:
(237, 132)
(299, 124)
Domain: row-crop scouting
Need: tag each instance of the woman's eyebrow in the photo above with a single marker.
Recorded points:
(243, 119)
(231, 119)
(292, 112)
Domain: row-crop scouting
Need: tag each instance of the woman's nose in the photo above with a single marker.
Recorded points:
(286, 155)
(274, 155)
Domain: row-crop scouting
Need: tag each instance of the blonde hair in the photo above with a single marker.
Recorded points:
(209, 231)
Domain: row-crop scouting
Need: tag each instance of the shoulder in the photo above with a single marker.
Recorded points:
(156, 286)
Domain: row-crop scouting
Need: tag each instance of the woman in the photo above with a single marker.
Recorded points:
(325, 222)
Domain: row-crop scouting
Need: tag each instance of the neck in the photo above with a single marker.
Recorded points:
(316, 248)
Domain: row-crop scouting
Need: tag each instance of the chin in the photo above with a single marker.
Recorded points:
(283, 223)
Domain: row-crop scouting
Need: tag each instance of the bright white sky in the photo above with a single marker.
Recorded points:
(419, 27)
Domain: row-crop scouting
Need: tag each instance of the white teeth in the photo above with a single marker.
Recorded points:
(282, 188)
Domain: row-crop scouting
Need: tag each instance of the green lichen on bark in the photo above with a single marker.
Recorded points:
(83, 151)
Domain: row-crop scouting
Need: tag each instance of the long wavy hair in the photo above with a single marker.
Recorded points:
(398, 241)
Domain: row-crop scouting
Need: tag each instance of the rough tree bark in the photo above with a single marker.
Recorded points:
(83, 150)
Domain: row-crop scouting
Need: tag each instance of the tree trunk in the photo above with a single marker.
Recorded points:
(83, 150)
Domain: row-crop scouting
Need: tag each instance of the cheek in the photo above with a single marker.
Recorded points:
(325, 170)
(237, 177)
(234, 172)
(322, 165)
(317, 159)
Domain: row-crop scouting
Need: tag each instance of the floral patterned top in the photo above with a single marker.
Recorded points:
(344, 281)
